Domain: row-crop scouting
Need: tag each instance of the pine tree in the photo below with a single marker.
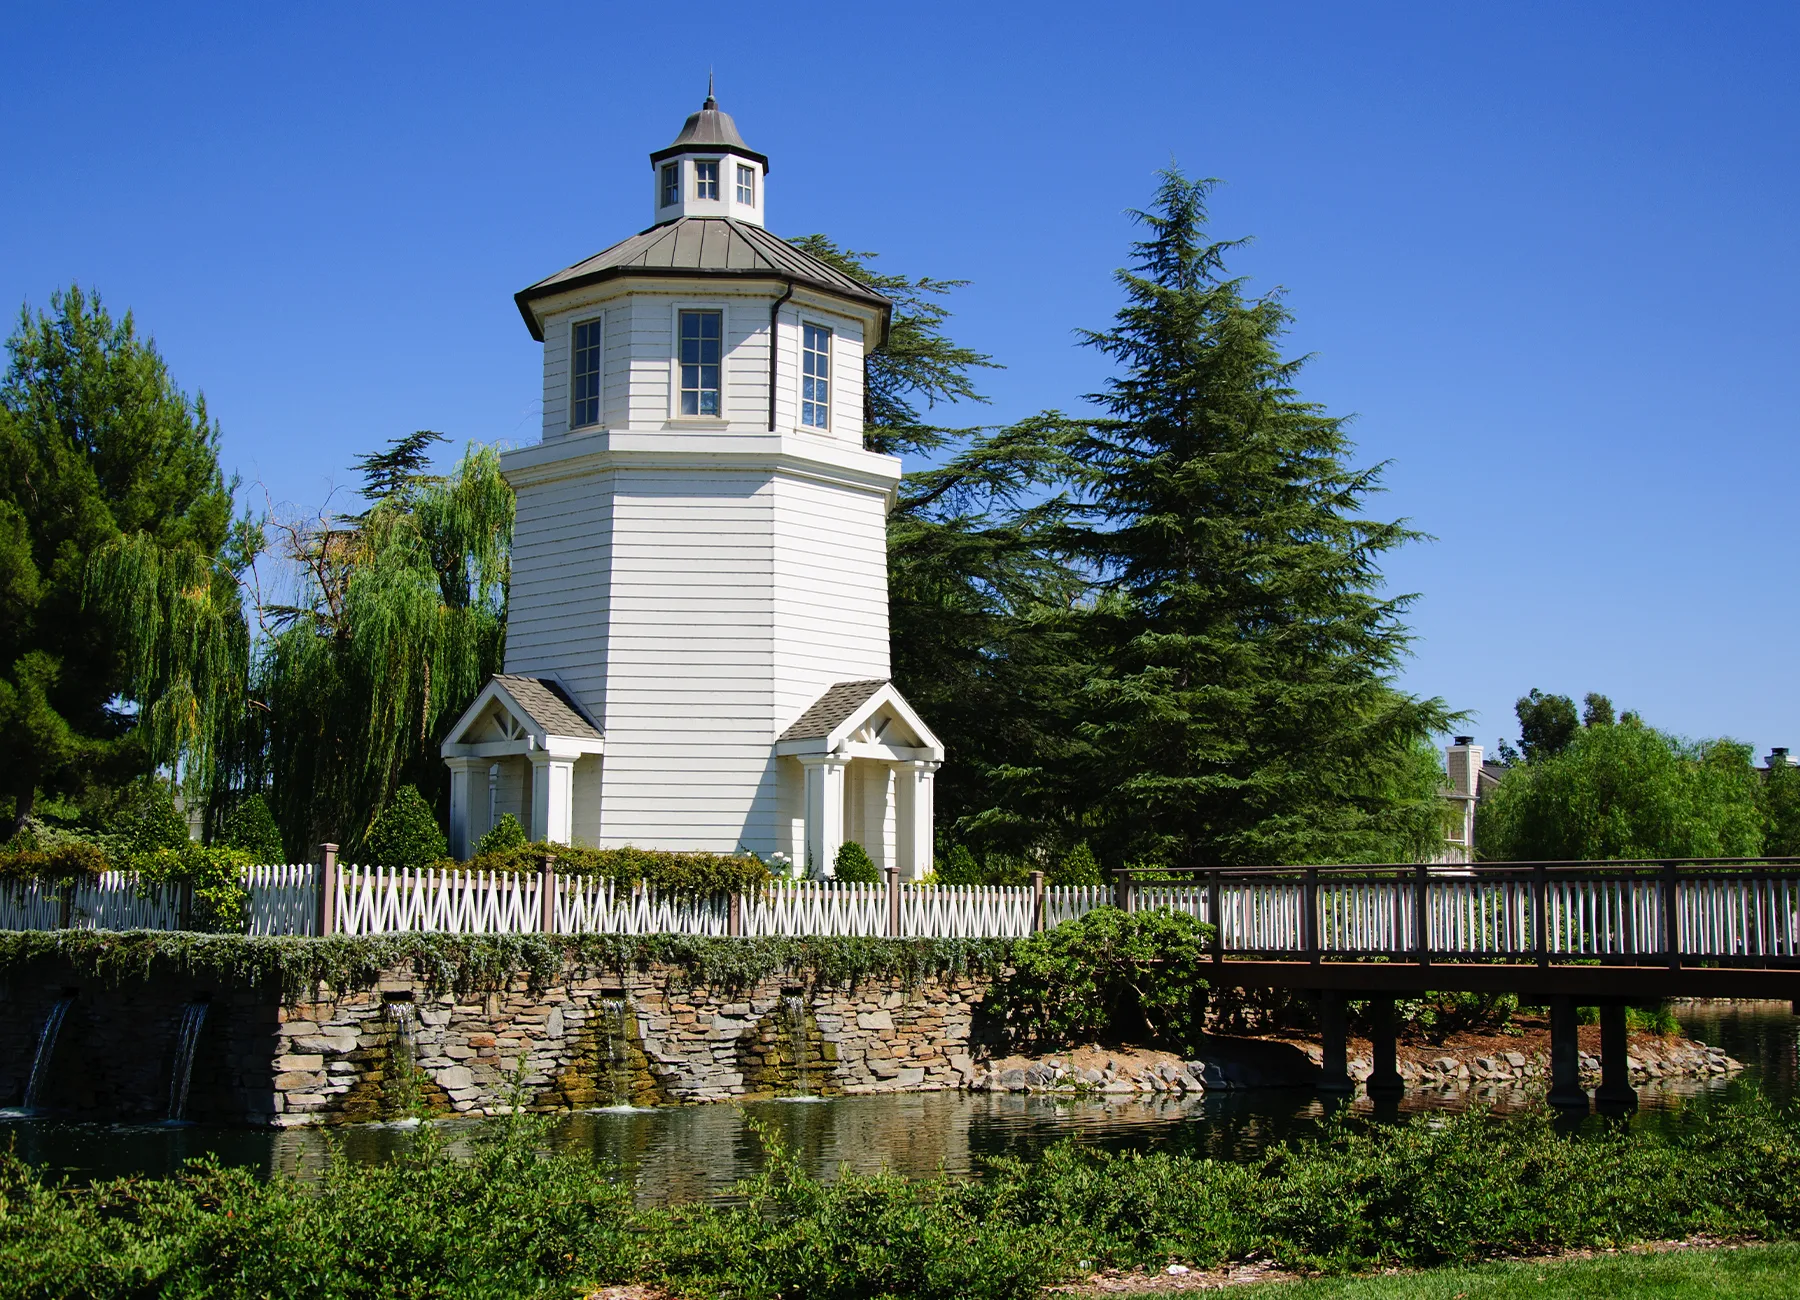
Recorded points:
(1242, 708)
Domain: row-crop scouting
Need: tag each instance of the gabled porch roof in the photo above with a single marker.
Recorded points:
(516, 715)
(866, 719)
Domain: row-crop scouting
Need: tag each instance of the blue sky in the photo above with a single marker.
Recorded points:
(1544, 253)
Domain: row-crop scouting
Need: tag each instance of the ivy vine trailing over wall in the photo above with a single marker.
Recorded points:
(465, 964)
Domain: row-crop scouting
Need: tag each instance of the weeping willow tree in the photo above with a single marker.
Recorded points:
(400, 619)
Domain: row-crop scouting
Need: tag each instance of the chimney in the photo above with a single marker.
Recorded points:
(1462, 762)
(1778, 757)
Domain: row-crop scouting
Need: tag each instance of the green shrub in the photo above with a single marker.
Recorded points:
(406, 834)
(251, 829)
(59, 859)
(148, 821)
(854, 866)
(691, 874)
(214, 875)
(1112, 976)
(1077, 867)
(957, 867)
(506, 836)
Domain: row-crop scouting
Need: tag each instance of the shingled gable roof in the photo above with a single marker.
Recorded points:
(703, 246)
(549, 706)
(830, 709)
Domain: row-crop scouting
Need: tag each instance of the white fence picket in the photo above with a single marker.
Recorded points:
(283, 899)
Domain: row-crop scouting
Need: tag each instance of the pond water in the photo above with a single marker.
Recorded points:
(690, 1152)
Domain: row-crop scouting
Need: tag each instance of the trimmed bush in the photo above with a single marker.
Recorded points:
(680, 873)
(251, 829)
(957, 867)
(854, 866)
(506, 836)
(406, 834)
(65, 859)
(150, 822)
(1078, 867)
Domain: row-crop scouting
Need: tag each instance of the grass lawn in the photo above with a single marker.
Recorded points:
(1745, 1273)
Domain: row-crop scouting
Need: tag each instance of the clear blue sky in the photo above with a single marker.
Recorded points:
(1545, 253)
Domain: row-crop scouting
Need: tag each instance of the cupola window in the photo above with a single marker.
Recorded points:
(584, 375)
(815, 381)
(746, 186)
(671, 185)
(706, 180)
(700, 338)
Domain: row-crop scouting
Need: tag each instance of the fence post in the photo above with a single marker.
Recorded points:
(1037, 901)
(328, 869)
(1309, 922)
(184, 905)
(1214, 914)
(892, 875)
(1122, 889)
(1671, 895)
(1422, 918)
(65, 904)
(1540, 914)
(734, 917)
(547, 894)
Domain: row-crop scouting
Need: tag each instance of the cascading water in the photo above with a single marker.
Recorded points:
(186, 1040)
(613, 1040)
(403, 1055)
(793, 1010)
(46, 1047)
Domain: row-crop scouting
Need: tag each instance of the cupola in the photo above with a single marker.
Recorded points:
(708, 170)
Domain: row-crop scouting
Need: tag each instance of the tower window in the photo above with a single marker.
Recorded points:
(700, 338)
(584, 375)
(746, 185)
(671, 185)
(706, 180)
(815, 377)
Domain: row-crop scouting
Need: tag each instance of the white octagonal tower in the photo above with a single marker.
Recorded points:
(697, 639)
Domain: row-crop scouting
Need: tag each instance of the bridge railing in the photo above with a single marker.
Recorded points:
(1663, 912)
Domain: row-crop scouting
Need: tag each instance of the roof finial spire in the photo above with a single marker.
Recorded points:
(710, 101)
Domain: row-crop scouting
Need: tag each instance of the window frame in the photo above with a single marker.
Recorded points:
(700, 195)
(830, 379)
(677, 311)
(668, 183)
(746, 184)
(598, 324)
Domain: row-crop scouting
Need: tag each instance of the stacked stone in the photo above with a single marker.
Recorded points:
(1178, 1077)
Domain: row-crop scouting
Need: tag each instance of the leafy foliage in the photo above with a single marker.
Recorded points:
(1547, 722)
(1781, 802)
(400, 618)
(251, 829)
(1626, 791)
(1243, 707)
(465, 963)
(506, 836)
(214, 876)
(1078, 866)
(514, 1220)
(1113, 976)
(690, 874)
(854, 866)
(406, 834)
(117, 562)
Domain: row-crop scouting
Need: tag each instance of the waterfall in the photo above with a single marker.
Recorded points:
(46, 1046)
(403, 1055)
(186, 1040)
(793, 1008)
(613, 1040)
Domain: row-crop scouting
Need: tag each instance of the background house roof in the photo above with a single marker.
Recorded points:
(830, 709)
(549, 706)
(703, 246)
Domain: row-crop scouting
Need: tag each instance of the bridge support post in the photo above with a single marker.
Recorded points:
(1565, 1056)
(1615, 1091)
(1385, 1076)
(1335, 1075)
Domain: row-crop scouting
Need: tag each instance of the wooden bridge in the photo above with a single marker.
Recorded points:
(1571, 934)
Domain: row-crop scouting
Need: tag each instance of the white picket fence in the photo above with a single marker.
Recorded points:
(283, 899)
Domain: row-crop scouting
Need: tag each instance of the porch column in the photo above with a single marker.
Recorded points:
(913, 817)
(824, 811)
(553, 796)
(466, 778)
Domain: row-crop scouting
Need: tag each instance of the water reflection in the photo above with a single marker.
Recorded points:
(685, 1153)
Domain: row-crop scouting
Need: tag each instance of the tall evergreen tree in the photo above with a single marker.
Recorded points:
(1243, 709)
(122, 640)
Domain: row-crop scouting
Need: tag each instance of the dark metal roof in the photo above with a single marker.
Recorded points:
(703, 246)
(549, 706)
(830, 709)
(709, 129)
